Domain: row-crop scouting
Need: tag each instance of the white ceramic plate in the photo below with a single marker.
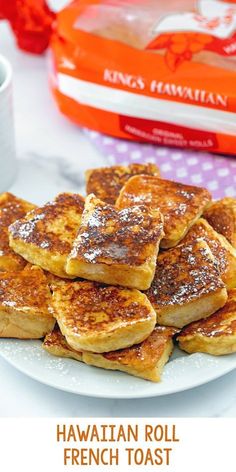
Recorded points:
(181, 373)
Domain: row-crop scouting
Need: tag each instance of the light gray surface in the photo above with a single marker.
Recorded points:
(53, 154)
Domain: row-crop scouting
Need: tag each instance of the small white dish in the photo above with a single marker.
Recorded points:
(7, 139)
(181, 373)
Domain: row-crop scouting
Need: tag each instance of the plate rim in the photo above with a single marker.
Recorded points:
(112, 396)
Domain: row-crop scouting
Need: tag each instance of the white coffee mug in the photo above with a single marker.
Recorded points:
(7, 139)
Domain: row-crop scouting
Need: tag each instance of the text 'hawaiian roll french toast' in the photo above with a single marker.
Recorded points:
(101, 318)
(222, 217)
(213, 335)
(25, 304)
(181, 205)
(223, 252)
(187, 285)
(11, 208)
(117, 247)
(145, 360)
(106, 182)
(45, 236)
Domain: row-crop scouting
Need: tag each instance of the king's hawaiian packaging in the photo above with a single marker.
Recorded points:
(154, 71)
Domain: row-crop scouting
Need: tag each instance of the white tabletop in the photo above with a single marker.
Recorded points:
(53, 154)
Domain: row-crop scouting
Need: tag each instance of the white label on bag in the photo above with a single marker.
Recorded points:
(213, 17)
(141, 106)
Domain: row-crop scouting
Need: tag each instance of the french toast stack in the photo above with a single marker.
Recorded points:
(116, 278)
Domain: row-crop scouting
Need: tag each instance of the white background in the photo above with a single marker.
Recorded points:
(53, 154)
(205, 445)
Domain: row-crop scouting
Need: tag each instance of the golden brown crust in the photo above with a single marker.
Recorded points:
(214, 335)
(55, 338)
(45, 236)
(24, 304)
(117, 247)
(11, 208)
(222, 217)
(146, 353)
(223, 252)
(181, 205)
(145, 360)
(108, 235)
(184, 275)
(25, 290)
(95, 317)
(106, 182)
(221, 323)
(53, 226)
(88, 305)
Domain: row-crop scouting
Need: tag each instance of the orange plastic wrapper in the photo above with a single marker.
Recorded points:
(150, 71)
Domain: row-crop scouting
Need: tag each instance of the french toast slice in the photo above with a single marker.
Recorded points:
(223, 252)
(145, 360)
(24, 304)
(117, 247)
(222, 217)
(181, 205)
(101, 318)
(11, 208)
(187, 285)
(214, 335)
(45, 236)
(106, 182)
